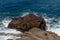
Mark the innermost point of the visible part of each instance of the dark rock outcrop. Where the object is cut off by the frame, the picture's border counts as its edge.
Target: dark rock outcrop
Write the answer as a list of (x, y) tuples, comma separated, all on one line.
[(27, 22), (37, 34), (33, 28), (9, 39)]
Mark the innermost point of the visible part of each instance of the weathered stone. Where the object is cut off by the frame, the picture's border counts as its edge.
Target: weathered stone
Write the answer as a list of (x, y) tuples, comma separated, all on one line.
[(37, 34), (27, 22)]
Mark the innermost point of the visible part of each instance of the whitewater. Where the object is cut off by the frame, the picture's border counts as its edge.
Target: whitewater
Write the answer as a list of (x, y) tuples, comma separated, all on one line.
[(53, 25), (6, 33)]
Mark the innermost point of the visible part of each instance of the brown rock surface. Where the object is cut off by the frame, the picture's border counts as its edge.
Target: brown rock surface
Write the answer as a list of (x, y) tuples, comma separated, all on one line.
[(27, 22), (37, 34)]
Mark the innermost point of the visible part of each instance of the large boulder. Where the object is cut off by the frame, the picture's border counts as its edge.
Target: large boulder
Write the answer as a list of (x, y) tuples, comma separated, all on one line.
[(27, 22), (37, 34)]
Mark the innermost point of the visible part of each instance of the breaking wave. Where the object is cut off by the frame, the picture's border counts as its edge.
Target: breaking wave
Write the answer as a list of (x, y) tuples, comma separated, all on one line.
[(6, 21), (6, 33), (53, 24)]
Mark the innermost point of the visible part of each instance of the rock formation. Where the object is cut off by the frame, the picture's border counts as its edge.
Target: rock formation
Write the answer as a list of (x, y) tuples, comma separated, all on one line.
[(37, 34), (27, 22), (33, 28)]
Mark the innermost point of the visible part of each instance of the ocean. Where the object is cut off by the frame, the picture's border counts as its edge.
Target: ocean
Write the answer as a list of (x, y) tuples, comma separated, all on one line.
[(48, 9)]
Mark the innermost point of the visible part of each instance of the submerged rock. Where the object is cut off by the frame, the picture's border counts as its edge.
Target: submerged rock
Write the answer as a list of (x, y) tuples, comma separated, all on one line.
[(37, 34), (27, 22)]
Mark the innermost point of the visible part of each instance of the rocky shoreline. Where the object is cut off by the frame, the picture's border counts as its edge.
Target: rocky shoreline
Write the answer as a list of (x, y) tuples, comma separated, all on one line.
[(33, 28), (37, 34)]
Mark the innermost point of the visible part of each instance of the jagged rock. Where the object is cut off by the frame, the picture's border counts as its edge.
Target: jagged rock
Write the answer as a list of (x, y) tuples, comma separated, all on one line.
[(37, 34), (27, 22)]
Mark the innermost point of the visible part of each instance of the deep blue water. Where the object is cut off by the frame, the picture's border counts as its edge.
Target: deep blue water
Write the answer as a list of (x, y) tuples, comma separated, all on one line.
[(12, 8), (48, 9)]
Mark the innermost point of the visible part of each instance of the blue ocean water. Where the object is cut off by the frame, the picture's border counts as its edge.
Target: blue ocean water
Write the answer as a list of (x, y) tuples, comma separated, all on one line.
[(48, 9), (13, 8)]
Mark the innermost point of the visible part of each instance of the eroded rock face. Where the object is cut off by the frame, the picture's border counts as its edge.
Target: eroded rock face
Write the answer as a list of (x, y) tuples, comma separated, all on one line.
[(27, 22), (37, 34)]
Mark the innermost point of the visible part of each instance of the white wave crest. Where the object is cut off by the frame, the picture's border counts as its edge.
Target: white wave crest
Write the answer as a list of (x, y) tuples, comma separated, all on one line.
[(53, 24), (6, 33), (27, 13), (6, 21)]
